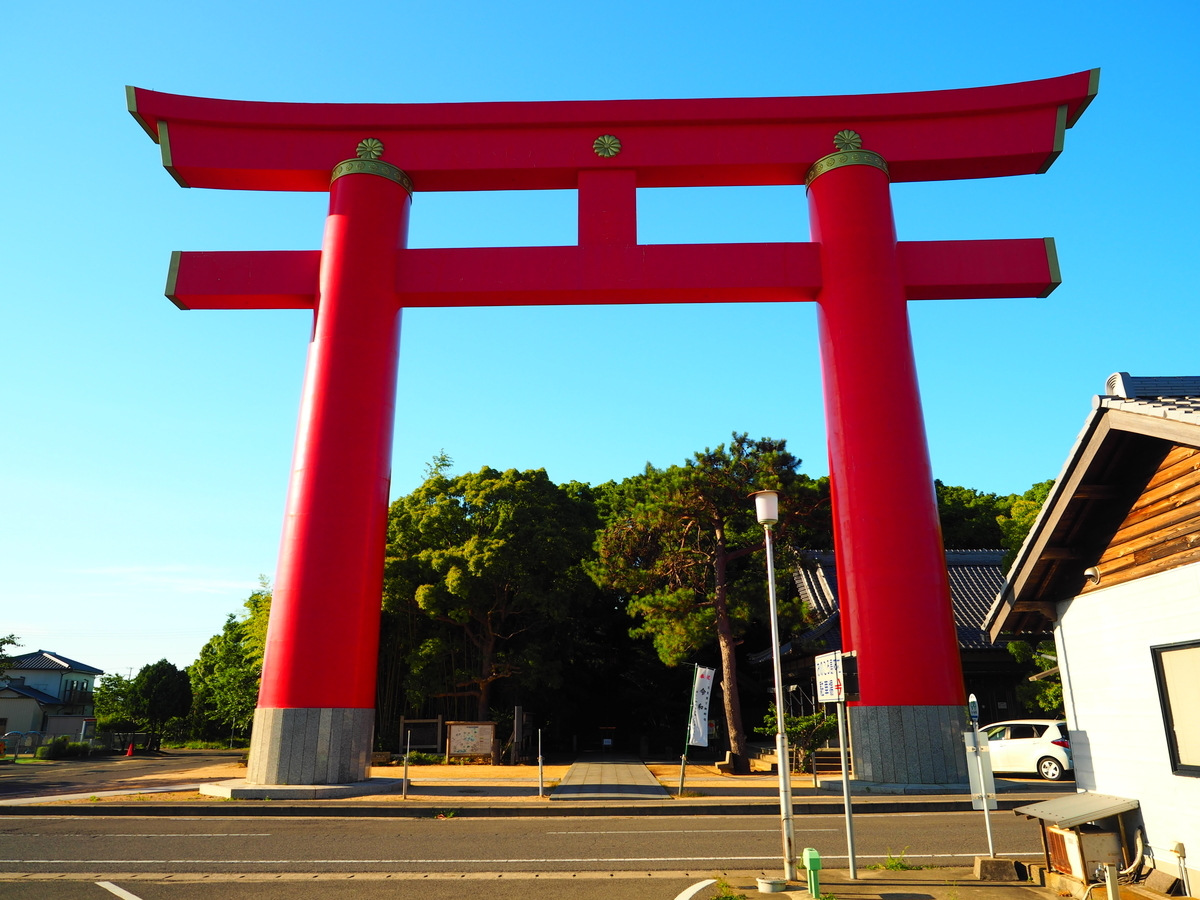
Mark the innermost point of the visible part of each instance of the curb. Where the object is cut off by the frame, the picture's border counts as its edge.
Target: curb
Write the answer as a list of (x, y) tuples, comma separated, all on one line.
[(408, 810)]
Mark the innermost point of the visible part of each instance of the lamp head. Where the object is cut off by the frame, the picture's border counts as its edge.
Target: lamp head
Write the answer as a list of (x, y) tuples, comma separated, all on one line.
[(766, 504)]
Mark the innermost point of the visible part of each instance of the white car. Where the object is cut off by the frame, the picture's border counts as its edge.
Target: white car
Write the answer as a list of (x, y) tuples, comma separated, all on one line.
[(1030, 745)]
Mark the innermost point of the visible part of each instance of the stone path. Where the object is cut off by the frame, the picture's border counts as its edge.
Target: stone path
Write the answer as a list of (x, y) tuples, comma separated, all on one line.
[(609, 778)]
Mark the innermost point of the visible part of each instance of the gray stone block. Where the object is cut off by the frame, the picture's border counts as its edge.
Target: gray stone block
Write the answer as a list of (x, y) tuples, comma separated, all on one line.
[(310, 746), (990, 868), (908, 744)]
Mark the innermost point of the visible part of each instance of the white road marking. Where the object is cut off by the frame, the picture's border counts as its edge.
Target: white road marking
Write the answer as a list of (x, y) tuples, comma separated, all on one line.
[(120, 892), (697, 831), (582, 859)]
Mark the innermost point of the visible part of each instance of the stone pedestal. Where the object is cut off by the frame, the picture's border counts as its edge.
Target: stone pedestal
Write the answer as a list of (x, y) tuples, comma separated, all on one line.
[(310, 746), (909, 744)]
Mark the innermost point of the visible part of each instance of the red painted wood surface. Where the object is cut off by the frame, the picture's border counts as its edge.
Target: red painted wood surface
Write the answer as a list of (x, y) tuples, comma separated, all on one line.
[(1010, 129), (330, 575), (615, 274), (893, 589), (889, 544)]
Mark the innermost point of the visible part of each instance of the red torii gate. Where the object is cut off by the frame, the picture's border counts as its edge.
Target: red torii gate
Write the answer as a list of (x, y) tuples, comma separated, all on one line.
[(894, 587)]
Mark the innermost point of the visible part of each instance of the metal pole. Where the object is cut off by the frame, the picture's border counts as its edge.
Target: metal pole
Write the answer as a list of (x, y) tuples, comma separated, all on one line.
[(781, 743), (841, 714), (541, 772), (407, 750), (983, 793), (687, 733)]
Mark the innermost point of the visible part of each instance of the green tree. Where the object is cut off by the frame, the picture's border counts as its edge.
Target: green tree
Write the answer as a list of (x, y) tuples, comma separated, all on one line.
[(1045, 693), (1023, 511), (113, 709), (494, 557), (969, 517), (804, 733), (678, 542), (255, 620), (158, 693), (225, 678), (8, 640)]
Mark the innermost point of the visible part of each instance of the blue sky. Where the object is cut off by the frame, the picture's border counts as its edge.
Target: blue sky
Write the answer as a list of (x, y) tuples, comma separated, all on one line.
[(146, 450)]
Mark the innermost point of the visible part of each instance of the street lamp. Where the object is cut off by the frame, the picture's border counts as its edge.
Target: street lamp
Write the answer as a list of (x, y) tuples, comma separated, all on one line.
[(766, 504)]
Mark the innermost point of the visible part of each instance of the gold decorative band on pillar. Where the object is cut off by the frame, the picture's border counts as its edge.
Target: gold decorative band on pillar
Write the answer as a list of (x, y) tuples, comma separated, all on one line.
[(372, 167), (845, 158)]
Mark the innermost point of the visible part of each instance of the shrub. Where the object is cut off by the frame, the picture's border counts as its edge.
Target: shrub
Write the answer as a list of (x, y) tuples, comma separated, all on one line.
[(417, 758), (56, 749)]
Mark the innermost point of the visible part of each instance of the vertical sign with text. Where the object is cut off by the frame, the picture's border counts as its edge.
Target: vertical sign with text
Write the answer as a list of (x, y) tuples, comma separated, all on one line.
[(701, 696)]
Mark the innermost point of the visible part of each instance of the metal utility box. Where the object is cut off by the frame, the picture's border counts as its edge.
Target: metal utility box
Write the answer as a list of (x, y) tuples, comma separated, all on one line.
[(1079, 851)]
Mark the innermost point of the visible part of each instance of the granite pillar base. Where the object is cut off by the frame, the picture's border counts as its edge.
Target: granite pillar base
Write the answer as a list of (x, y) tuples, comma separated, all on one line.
[(310, 746), (908, 744)]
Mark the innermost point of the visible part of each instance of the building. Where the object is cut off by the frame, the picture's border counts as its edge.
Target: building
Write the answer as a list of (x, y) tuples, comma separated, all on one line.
[(42, 689), (1112, 565), (989, 670)]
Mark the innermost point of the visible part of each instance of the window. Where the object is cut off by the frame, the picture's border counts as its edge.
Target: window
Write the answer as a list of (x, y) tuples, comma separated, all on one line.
[(1022, 731), (1177, 669)]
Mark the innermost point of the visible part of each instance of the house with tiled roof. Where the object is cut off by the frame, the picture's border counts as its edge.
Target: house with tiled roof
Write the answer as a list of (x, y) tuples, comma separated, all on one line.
[(42, 689), (1112, 565), (990, 671)]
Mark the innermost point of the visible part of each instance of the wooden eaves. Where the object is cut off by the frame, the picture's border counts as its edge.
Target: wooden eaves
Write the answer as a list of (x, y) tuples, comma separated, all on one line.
[(1132, 451)]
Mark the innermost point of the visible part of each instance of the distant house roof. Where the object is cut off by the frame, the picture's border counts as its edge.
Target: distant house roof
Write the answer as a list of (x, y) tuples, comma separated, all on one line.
[(45, 659), (26, 691), (975, 577), (1124, 439)]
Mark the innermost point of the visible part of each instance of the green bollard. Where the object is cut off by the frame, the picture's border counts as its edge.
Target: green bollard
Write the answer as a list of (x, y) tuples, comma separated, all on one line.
[(812, 865)]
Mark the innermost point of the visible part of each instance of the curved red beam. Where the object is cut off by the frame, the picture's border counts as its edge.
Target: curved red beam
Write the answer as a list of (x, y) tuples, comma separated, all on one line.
[(1011, 129)]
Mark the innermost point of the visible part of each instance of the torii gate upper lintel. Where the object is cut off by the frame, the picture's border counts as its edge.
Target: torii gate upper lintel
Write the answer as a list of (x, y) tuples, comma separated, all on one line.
[(894, 587)]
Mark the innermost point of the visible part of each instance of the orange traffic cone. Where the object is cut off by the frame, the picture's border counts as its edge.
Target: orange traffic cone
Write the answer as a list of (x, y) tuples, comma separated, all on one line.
[(129, 752)]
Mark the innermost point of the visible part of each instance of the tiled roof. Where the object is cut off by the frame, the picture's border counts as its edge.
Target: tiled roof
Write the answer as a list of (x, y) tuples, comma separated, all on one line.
[(1181, 409), (40, 696), (975, 578), (46, 660)]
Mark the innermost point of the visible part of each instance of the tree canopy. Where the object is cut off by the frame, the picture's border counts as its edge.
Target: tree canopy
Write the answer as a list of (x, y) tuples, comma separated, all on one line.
[(678, 543), (6, 641), (158, 693), (495, 558)]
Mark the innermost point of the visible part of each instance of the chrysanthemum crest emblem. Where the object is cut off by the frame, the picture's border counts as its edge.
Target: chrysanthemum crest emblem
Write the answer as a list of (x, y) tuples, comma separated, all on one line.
[(606, 146), (371, 148), (847, 140)]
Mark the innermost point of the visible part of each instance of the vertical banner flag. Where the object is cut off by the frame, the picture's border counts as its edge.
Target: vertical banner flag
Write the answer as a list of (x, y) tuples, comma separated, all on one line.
[(701, 694)]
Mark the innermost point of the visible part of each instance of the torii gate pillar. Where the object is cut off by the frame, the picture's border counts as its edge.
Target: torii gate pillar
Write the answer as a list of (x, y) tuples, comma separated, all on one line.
[(308, 729), (891, 567), (894, 588)]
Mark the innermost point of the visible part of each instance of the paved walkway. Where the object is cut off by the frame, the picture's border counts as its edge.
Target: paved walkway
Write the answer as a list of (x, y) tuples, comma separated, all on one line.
[(609, 778)]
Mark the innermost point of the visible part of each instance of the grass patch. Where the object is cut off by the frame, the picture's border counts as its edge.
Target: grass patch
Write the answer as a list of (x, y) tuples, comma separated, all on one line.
[(687, 792), (238, 744), (725, 891), (895, 863)]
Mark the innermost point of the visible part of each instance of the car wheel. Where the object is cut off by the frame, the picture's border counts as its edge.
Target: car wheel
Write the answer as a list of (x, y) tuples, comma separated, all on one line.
[(1050, 769)]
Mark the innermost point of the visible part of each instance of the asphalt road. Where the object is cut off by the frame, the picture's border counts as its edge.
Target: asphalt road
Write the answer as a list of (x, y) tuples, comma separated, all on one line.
[(463, 846), (103, 772)]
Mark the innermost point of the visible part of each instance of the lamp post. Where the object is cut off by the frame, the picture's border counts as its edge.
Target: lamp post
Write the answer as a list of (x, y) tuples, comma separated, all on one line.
[(766, 504)]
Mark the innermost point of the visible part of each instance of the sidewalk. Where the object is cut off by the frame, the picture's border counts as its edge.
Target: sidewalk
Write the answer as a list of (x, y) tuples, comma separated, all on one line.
[(592, 786), (942, 883)]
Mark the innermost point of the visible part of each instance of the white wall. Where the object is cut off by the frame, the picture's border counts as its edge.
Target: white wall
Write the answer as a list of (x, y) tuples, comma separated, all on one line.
[(23, 714), (1117, 734)]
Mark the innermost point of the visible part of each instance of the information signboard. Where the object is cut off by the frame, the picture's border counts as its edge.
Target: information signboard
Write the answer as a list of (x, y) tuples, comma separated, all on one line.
[(831, 686), (470, 738)]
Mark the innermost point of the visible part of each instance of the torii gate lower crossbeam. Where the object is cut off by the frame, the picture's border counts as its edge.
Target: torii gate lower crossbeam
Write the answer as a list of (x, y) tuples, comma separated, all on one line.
[(313, 731)]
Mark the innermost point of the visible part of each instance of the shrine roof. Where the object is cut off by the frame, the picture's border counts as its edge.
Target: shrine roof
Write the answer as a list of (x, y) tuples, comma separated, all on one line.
[(975, 577), (928, 135)]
